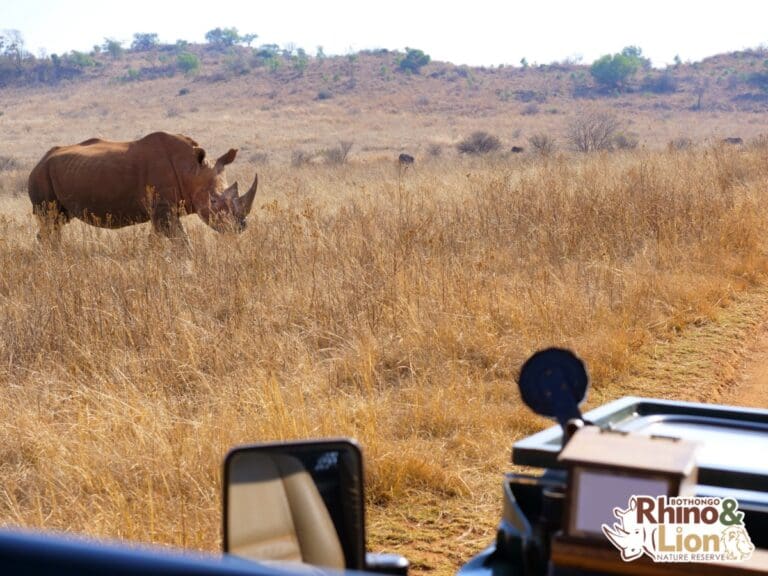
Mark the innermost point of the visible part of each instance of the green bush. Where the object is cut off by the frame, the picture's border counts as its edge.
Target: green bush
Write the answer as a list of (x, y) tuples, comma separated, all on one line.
[(237, 64), (300, 61), (613, 71), (143, 41), (266, 51), (80, 59), (273, 63), (188, 62), (413, 61), (113, 47), (222, 37)]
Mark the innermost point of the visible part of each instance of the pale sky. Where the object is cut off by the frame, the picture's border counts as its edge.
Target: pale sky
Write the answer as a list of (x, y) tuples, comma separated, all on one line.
[(475, 32)]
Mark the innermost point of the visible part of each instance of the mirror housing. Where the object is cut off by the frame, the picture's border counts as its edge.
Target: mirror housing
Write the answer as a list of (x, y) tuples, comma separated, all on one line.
[(300, 501)]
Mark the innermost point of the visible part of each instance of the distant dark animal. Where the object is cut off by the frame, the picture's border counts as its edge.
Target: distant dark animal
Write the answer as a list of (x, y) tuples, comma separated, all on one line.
[(517, 149), (114, 184), (405, 159), (732, 140)]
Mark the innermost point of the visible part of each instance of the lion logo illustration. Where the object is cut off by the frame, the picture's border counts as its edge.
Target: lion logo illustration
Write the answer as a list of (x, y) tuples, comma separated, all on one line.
[(736, 543)]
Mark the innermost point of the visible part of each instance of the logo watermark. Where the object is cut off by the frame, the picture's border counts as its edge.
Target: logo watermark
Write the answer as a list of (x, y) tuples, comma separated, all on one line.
[(680, 529)]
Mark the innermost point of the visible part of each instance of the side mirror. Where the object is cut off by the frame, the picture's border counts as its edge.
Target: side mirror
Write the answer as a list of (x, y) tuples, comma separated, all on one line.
[(302, 502)]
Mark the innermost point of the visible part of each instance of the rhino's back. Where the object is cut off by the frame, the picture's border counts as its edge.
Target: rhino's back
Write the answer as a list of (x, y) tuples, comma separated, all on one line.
[(96, 180)]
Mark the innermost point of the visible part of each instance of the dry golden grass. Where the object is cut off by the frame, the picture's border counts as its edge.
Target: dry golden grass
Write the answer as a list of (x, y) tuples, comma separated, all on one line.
[(395, 308)]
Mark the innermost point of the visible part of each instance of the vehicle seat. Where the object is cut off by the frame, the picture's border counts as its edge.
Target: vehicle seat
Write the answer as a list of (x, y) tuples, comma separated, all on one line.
[(282, 517)]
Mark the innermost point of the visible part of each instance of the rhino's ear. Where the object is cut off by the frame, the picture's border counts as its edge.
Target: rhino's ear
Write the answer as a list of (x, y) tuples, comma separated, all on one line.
[(225, 159)]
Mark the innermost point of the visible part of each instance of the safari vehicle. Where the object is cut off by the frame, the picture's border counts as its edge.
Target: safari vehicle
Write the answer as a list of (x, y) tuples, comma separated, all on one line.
[(298, 507)]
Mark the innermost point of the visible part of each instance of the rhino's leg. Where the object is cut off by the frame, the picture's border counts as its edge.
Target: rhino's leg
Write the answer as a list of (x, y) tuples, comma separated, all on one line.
[(166, 221), (51, 216)]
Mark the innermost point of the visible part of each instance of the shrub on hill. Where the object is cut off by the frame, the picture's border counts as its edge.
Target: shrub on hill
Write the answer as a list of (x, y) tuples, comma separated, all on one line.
[(188, 62), (80, 59), (266, 51), (759, 80), (60, 67), (113, 47), (413, 61), (144, 42), (222, 37), (237, 64), (300, 61), (664, 83), (613, 71)]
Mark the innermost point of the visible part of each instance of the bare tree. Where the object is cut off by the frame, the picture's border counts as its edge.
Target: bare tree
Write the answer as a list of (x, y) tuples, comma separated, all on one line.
[(479, 142), (12, 46), (593, 131), (700, 90), (542, 144), (345, 146)]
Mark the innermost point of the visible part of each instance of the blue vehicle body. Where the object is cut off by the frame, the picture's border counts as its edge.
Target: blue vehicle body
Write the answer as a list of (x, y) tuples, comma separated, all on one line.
[(40, 554)]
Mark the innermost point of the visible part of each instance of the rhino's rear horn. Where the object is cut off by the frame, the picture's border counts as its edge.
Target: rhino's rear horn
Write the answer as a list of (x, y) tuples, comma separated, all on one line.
[(230, 193), (244, 203)]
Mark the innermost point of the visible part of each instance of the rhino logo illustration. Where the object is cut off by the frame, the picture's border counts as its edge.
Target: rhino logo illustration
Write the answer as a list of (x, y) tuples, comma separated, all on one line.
[(629, 536)]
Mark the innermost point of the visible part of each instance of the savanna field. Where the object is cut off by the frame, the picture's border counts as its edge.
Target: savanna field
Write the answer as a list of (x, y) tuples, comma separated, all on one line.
[(391, 305)]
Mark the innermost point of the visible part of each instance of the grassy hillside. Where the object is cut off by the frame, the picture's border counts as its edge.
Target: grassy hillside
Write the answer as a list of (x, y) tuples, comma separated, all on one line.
[(272, 112)]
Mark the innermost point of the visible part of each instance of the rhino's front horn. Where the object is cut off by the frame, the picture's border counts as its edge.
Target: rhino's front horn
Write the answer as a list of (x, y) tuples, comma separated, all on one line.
[(244, 203)]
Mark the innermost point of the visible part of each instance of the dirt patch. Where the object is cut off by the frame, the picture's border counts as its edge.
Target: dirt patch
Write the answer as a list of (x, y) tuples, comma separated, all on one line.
[(718, 361), (751, 388)]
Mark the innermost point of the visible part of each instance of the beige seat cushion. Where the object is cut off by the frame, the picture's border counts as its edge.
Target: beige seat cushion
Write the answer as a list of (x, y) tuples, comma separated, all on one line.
[(276, 513)]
